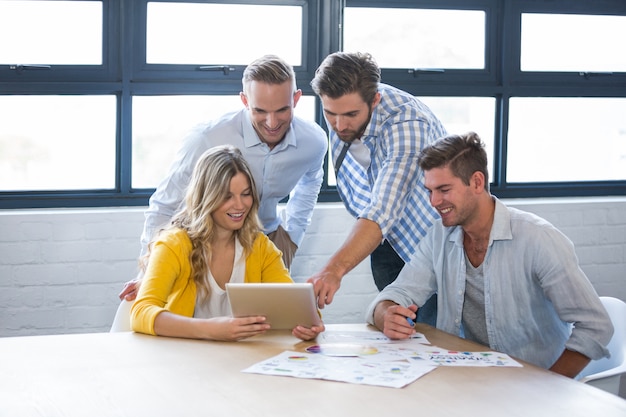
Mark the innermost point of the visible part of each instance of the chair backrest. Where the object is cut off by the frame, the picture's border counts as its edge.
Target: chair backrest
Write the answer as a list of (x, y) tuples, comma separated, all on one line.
[(121, 322), (617, 346)]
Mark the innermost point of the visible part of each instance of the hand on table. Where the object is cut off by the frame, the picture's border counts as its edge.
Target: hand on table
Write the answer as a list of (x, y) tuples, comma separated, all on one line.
[(395, 321)]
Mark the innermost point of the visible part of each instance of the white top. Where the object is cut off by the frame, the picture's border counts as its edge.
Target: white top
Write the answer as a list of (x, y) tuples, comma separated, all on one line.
[(218, 305), (360, 152)]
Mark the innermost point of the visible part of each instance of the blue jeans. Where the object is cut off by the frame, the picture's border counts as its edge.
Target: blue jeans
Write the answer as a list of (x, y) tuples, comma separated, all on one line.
[(386, 265)]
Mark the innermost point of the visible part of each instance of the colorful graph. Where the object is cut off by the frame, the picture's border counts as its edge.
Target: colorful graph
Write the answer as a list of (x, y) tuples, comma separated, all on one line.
[(337, 349)]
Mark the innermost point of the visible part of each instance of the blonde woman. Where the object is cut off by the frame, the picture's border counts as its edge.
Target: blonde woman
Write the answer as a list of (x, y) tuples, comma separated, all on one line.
[(214, 239)]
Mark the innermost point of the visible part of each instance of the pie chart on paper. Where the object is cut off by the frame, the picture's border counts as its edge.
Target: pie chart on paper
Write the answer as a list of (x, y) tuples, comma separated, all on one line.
[(342, 349)]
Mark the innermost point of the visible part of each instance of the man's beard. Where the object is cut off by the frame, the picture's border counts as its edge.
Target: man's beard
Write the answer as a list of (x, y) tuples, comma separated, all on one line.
[(361, 130)]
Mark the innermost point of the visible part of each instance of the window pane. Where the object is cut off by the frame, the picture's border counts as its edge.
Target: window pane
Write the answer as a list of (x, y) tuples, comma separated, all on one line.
[(558, 42), (187, 33), (566, 139), (160, 123), (417, 38), (467, 114), (459, 115), (57, 142), (51, 32)]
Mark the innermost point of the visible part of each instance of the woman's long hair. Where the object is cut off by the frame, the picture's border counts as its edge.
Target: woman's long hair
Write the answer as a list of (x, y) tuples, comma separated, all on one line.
[(208, 189)]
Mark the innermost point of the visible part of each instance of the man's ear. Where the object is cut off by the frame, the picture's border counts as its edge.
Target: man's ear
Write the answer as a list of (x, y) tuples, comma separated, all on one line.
[(477, 181), (244, 99), (296, 97), (376, 100)]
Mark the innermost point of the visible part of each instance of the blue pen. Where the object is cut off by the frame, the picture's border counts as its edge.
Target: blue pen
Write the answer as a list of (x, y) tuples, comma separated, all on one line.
[(411, 322)]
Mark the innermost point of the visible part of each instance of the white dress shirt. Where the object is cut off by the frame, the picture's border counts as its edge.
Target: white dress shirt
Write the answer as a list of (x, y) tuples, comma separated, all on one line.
[(293, 168)]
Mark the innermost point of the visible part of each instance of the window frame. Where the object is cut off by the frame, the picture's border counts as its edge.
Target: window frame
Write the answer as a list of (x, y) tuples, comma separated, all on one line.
[(16, 81), (503, 79), (125, 74), (552, 84)]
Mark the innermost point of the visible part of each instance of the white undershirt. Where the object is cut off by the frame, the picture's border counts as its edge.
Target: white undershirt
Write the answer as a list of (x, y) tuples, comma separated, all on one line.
[(217, 304), (360, 152)]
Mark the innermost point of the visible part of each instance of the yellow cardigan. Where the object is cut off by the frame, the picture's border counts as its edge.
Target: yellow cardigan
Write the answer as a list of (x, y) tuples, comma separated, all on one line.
[(168, 282)]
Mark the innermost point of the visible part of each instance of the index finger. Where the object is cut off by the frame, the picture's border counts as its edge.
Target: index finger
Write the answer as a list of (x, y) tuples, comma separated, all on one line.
[(319, 290)]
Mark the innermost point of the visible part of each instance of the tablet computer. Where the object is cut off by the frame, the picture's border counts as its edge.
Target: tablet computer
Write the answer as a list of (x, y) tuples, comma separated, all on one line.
[(284, 305)]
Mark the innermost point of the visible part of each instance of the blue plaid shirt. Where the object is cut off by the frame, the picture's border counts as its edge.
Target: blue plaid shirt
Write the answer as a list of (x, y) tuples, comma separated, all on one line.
[(391, 190)]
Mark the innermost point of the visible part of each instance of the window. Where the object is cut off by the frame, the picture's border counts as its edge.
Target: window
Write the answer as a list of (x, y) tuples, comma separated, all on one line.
[(566, 100), (161, 122), (97, 103), (172, 25), (427, 42), (565, 142), (579, 50), (421, 38), (57, 142), (545, 95), (96, 95), (38, 39)]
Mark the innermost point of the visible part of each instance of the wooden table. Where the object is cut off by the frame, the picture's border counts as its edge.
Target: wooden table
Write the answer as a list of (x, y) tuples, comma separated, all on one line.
[(128, 374)]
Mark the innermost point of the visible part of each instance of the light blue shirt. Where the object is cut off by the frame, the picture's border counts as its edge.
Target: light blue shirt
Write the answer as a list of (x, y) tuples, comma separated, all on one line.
[(534, 289), (390, 190), (294, 168)]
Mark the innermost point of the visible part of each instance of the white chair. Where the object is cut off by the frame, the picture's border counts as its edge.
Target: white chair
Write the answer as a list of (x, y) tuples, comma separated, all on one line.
[(121, 322), (606, 373)]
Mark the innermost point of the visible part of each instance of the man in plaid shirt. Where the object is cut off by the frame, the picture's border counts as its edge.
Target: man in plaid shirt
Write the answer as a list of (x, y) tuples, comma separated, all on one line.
[(376, 134)]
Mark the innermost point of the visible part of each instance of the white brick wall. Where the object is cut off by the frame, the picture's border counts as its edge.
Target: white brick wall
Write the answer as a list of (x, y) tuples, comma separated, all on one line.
[(61, 270)]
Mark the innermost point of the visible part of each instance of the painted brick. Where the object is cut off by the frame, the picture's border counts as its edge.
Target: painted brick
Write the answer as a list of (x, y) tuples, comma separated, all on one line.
[(68, 230), (14, 298), (45, 274), (72, 251), (61, 270), (99, 231), (32, 231), (19, 253)]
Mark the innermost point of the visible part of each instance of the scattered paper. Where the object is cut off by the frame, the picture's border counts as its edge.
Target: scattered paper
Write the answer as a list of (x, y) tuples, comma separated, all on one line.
[(355, 370), (365, 336), (371, 358), (444, 357)]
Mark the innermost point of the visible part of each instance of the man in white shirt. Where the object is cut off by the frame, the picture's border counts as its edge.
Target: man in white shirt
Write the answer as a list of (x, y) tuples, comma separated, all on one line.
[(285, 153), (504, 278)]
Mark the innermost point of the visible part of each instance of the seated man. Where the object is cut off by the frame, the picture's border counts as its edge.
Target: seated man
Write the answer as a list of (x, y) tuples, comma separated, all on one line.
[(505, 278)]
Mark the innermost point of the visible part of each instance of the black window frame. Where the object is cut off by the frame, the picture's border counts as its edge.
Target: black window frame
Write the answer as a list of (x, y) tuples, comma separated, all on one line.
[(502, 79), (125, 74)]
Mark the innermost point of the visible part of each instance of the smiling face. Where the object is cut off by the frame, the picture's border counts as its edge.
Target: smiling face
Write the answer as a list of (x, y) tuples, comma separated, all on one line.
[(348, 115), (456, 202), (232, 213), (271, 109)]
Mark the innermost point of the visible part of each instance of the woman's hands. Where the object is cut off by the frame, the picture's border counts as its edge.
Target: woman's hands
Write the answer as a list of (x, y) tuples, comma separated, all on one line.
[(226, 329), (306, 333), (231, 329), (234, 329)]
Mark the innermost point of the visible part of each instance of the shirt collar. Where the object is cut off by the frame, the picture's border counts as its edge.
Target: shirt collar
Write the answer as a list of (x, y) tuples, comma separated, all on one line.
[(250, 137), (501, 229)]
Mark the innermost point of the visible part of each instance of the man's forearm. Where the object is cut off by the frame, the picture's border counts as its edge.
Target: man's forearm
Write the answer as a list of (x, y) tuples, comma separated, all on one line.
[(570, 363)]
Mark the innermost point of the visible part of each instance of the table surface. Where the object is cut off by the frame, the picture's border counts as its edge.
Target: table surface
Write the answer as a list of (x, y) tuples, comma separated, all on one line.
[(129, 374)]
